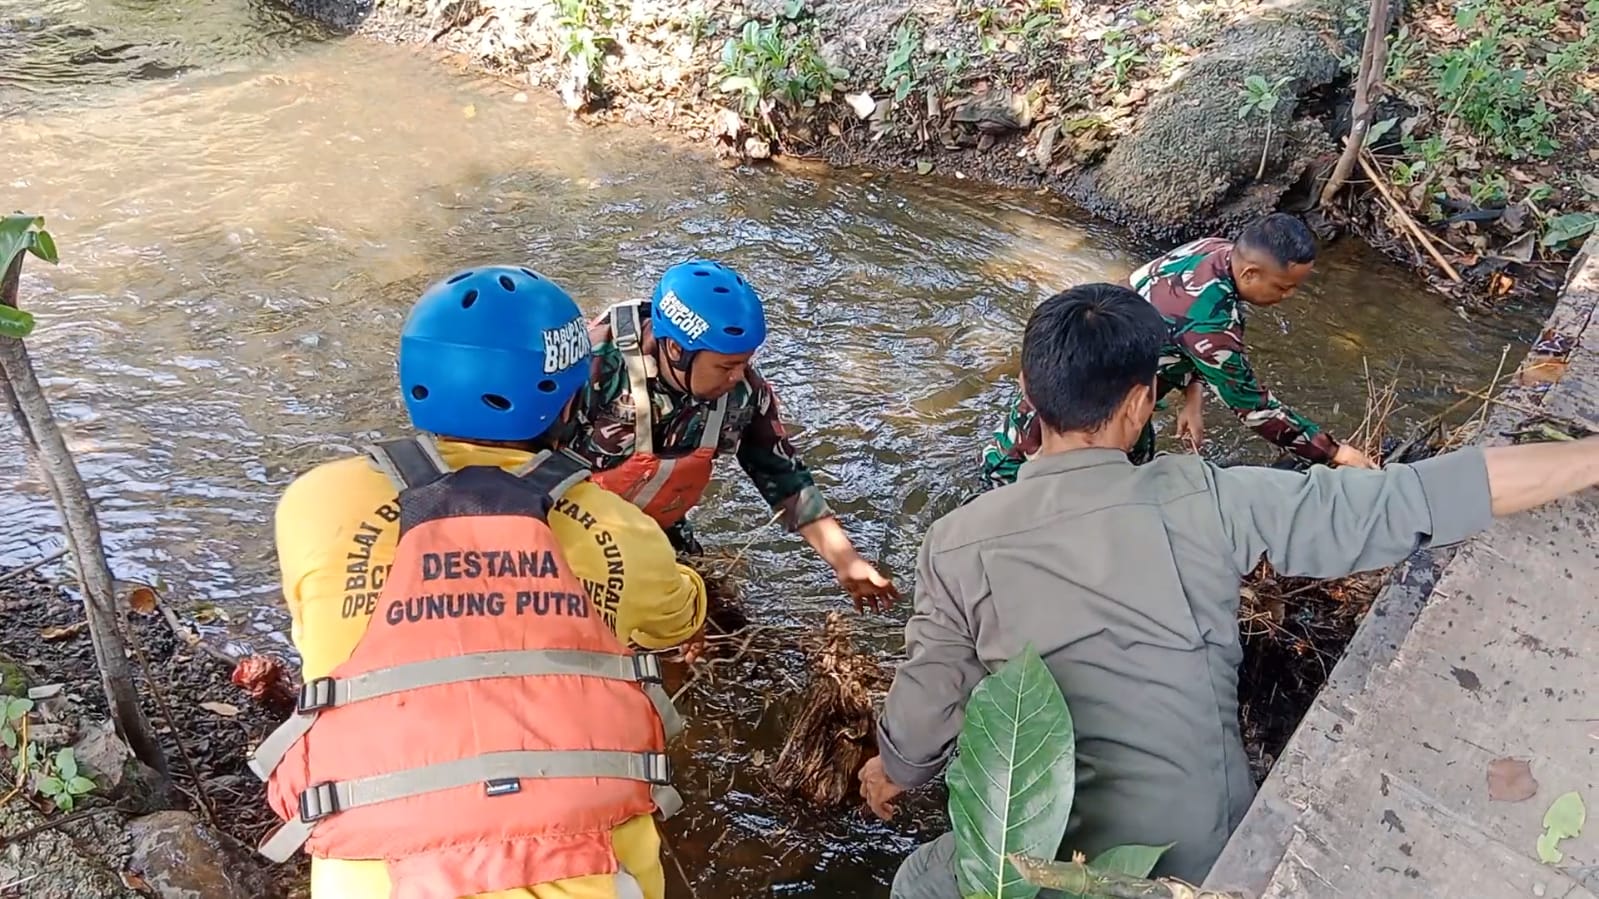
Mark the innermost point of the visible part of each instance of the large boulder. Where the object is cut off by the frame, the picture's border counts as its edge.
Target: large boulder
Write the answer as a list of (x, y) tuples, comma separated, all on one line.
[(1190, 164), (181, 858)]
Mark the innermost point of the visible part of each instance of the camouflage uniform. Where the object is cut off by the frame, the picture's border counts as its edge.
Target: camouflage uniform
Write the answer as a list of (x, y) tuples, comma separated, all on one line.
[(1192, 286), (752, 431)]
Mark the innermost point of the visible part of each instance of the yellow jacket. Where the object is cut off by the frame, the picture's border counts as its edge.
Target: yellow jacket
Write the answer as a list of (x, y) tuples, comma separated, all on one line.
[(336, 533)]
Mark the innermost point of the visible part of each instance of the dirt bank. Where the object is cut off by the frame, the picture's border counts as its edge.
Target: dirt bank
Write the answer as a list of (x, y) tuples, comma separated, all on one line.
[(1173, 119), (123, 838)]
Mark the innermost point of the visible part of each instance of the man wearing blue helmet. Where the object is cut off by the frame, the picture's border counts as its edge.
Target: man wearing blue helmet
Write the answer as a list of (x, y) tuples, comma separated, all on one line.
[(362, 559), (683, 359)]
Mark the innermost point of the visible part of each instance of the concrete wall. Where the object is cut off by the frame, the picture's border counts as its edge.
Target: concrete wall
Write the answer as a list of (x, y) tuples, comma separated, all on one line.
[(1467, 656)]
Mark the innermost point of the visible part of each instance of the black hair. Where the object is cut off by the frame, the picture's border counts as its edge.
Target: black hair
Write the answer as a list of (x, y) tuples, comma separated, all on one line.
[(1085, 349), (1280, 237)]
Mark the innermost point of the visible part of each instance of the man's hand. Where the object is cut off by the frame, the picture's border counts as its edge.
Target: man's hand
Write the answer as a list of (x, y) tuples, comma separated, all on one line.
[(865, 585), (1348, 456), (694, 646), (1191, 427), (877, 789), (856, 575)]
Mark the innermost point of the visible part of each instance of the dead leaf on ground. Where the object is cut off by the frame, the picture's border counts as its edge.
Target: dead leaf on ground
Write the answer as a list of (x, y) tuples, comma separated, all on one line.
[(134, 882), (1520, 249), (142, 598), (220, 708), (52, 634), (1511, 780)]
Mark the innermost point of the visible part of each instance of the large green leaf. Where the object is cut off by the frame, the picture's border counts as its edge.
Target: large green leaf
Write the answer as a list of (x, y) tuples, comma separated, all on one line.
[(25, 233), (1011, 783)]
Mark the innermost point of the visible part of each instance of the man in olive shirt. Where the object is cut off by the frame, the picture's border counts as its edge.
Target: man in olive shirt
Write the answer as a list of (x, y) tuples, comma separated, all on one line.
[(1125, 578)]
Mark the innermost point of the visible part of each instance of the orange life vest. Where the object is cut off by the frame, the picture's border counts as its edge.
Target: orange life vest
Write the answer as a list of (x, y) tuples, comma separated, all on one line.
[(666, 487), (489, 730)]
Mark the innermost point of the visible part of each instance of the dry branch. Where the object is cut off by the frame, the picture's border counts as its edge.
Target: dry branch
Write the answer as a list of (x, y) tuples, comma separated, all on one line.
[(1368, 86), (1405, 218), (1078, 878)]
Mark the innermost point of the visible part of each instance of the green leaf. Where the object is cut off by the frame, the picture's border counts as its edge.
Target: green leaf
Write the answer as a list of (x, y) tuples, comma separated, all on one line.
[(44, 247), (737, 83), (1012, 779), (66, 764), (1132, 860), (8, 737), (1566, 816), (16, 323), (1378, 130), (50, 786), (1569, 227), (1563, 820), (1547, 853), (17, 707), (64, 801), (80, 785), (23, 233)]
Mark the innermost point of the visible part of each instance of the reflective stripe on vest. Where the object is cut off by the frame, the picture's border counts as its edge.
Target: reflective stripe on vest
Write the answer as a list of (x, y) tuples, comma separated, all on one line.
[(325, 799), (326, 693)]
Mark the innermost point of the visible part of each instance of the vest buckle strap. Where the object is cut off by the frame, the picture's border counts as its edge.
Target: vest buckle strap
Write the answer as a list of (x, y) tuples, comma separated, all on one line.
[(658, 768), (316, 695), (647, 668), (318, 801)]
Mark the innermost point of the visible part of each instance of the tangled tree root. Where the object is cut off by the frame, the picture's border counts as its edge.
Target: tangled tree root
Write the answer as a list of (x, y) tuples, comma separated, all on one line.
[(835, 731)]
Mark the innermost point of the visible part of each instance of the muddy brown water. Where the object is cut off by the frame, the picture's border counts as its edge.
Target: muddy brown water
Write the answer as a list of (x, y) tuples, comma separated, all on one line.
[(246, 207)]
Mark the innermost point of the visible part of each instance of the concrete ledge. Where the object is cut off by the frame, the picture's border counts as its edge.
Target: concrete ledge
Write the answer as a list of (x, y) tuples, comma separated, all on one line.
[(1383, 741)]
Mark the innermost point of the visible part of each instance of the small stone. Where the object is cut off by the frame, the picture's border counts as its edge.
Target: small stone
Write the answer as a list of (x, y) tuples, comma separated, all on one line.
[(180, 858), (757, 148), (1538, 889), (519, 97), (105, 759)]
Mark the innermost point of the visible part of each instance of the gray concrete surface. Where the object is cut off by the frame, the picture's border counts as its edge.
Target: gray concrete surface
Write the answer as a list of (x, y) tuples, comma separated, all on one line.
[(1383, 790)]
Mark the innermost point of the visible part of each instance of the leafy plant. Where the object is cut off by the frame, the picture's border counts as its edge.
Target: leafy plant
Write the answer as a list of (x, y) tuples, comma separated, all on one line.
[(900, 73), (15, 708), (1121, 56), (585, 25), (62, 784), (1262, 97), (1012, 780), (777, 62), (22, 234)]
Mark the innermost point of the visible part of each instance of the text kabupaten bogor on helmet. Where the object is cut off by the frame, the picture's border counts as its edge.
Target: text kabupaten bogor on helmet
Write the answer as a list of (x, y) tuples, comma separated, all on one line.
[(705, 305), (492, 353)]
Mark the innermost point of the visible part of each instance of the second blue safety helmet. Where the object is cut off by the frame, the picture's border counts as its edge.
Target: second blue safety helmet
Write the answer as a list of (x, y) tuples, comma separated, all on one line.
[(705, 305)]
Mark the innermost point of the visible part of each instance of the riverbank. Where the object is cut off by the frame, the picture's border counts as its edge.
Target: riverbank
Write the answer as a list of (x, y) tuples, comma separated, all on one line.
[(1454, 720), (1171, 120), (118, 835)]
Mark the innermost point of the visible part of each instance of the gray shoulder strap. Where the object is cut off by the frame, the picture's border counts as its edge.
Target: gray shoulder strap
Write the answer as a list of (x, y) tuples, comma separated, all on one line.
[(409, 462)]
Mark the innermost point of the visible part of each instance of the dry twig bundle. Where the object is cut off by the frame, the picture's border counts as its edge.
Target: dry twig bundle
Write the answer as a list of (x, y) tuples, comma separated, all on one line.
[(835, 731)]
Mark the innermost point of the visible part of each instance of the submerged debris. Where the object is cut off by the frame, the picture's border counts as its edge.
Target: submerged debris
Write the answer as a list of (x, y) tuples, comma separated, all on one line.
[(835, 730)]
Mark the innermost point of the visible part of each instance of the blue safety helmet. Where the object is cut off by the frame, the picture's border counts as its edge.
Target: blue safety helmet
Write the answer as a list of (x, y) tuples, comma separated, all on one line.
[(706, 306), (492, 353)]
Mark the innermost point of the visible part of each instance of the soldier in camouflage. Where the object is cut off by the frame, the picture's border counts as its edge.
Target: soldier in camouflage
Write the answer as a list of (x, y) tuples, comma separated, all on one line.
[(1197, 288), (684, 360)]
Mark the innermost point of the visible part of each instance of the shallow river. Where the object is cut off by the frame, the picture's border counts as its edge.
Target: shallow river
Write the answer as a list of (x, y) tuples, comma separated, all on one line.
[(246, 207)]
